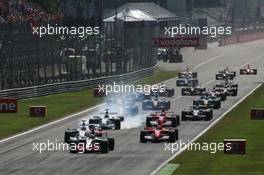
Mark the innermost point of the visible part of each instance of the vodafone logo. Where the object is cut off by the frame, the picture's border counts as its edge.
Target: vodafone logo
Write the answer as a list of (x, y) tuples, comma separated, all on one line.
[(175, 42), (8, 105)]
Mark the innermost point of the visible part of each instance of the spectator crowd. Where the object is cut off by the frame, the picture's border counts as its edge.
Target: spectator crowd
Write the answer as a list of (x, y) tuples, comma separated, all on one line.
[(16, 11)]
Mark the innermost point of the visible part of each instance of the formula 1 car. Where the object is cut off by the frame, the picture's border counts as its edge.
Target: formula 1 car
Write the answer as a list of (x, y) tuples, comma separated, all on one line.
[(187, 74), (248, 71), (208, 102), (91, 143), (164, 119), (156, 103), (162, 54), (169, 92), (164, 91), (187, 82), (159, 134), (108, 121), (192, 91), (195, 113), (227, 87), (225, 74), (81, 131), (218, 93)]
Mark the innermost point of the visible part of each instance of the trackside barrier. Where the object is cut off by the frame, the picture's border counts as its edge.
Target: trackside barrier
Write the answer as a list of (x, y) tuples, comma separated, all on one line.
[(50, 89)]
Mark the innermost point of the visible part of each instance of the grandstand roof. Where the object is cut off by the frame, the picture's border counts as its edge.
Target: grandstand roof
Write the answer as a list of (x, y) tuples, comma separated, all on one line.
[(142, 11)]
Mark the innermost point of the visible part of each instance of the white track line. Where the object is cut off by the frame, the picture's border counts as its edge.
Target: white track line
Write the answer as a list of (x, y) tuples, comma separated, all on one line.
[(205, 130), (51, 123)]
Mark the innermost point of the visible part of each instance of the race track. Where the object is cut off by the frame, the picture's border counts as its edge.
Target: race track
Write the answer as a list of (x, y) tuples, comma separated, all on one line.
[(131, 157)]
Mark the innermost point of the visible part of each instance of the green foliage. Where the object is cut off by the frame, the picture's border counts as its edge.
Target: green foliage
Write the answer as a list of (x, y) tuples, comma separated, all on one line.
[(49, 5)]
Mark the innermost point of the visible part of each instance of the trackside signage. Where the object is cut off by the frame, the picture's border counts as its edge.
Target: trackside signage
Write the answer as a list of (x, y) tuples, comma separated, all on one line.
[(175, 42), (8, 105), (37, 111)]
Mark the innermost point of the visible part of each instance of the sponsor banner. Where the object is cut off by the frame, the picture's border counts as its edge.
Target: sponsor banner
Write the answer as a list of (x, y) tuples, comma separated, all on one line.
[(37, 111), (257, 114), (235, 146), (175, 42), (8, 105)]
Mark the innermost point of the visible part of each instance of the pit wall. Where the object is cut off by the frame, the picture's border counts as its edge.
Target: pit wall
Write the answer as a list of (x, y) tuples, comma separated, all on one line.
[(242, 37)]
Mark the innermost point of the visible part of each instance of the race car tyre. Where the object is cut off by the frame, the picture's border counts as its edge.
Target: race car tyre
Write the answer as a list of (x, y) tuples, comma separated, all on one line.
[(168, 105), (234, 92), (121, 118), (217, 104), (172, 137), (176, 134), (255, 71), (208, 116), (171, 92), (223, 97), (195, 75), (117, 124), (111, 142), (104, 148), (217, 77), (195, 103), (241, 71), (183, 92), (68, 134), (148, 123), (183, 116), (142, 137), (175, 121), (178, 83), (235, 86)]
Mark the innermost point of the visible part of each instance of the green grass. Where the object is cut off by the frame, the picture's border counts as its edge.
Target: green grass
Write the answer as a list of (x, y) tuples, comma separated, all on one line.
[(59, 106), (236, 124)]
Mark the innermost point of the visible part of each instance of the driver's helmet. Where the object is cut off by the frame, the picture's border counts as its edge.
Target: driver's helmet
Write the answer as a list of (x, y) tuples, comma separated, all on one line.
[(248, 66), (106, 115), (83, 128), (159, 127)]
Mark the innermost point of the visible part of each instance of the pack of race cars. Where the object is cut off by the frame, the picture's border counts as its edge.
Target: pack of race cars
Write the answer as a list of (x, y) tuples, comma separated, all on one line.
[(160, 125)]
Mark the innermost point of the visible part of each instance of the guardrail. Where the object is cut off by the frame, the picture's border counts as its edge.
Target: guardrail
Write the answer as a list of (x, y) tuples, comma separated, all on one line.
[(50, 89)]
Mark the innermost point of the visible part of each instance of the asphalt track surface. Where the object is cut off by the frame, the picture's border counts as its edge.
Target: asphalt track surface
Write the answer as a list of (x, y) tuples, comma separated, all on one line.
[(131, 157)]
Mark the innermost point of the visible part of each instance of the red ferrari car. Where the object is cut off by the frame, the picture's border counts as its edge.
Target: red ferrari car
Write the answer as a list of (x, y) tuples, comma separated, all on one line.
[(159, 134), (165, 119)]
